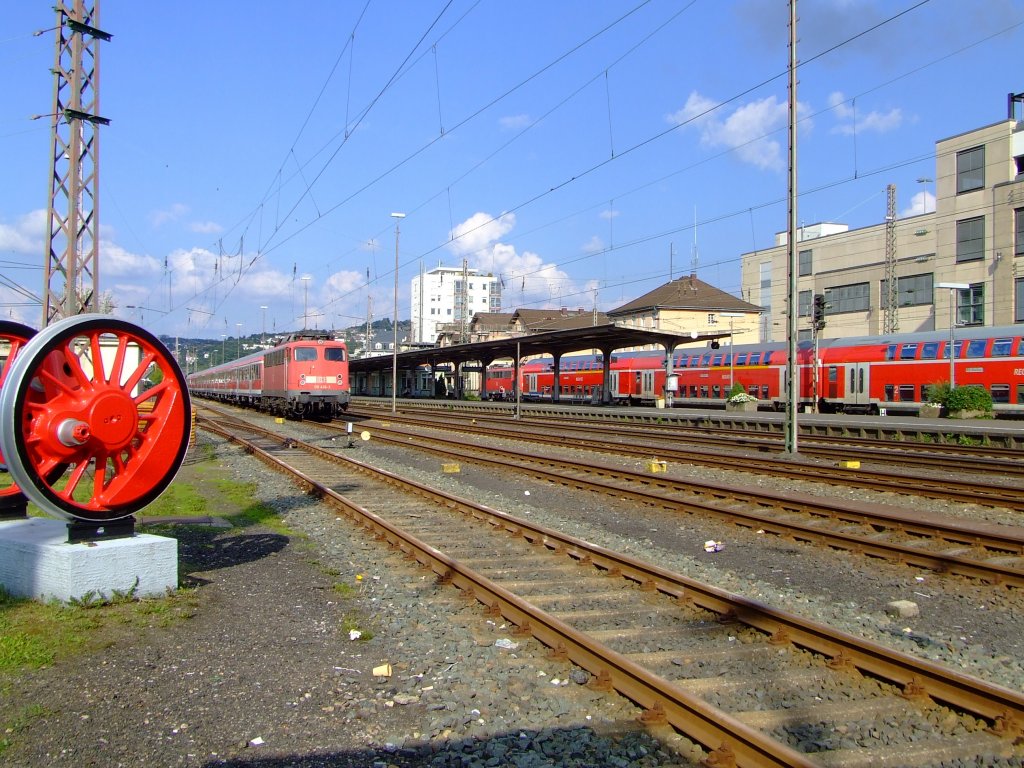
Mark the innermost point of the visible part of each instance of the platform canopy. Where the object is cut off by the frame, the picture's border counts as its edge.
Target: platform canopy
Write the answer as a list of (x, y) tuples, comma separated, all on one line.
[(607, 338)]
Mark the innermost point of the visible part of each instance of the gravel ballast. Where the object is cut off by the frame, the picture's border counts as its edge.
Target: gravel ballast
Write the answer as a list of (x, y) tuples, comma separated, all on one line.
[(266, 673)]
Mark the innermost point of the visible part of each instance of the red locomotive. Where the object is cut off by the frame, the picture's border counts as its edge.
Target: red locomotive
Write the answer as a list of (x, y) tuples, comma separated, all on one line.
[(865, 374), (306, 376)]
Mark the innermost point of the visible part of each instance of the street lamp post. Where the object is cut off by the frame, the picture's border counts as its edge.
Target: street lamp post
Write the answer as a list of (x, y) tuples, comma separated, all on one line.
[(732, 316), (223, 337), (238, 345), (263, 333), (394, 351), (953, 288)]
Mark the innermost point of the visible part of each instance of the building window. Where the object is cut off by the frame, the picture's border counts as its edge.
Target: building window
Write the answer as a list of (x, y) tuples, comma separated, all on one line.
[(970, 169), (970, 239), (1018, 238), (970, 305), (911, 291), (1018, 301), (848, 298), (711, 318), (804, 304), (804, 258)]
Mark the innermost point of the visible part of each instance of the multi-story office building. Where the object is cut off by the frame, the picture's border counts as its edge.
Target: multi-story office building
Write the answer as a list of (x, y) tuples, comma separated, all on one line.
[(974, 240), (448, 295)]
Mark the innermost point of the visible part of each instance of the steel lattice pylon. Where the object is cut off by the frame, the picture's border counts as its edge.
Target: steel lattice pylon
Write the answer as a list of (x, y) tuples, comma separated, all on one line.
[(890, 317), (72, 261)]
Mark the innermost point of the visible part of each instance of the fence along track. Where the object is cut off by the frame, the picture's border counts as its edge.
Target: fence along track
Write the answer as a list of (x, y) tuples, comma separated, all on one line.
[(575, 624)]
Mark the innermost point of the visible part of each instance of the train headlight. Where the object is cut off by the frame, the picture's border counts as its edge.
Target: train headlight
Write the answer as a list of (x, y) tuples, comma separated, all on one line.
[(341, 380), (302, 380)]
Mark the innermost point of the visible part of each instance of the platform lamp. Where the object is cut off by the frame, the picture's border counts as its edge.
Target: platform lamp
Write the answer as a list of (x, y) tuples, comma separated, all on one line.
[(953, 288), (732, 316), (394, 351)]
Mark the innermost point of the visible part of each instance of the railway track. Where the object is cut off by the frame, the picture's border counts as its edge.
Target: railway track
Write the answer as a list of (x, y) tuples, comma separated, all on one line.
[(993, 554), (754, 685), (919, 448), (640, 442)]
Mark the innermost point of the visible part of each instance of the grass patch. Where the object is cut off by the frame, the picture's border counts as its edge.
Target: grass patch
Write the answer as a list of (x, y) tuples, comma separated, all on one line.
[(20, 722)]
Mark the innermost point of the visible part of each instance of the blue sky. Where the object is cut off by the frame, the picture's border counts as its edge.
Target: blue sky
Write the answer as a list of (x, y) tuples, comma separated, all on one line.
[(569, 146)]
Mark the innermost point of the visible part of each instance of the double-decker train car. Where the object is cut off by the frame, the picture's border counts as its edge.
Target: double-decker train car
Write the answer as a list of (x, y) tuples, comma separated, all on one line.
[(861, 374), (305, 376)]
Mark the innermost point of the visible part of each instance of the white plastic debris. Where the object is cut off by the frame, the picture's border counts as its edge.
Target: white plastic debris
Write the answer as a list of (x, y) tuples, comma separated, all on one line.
[(258, 741), (354, 634), (712, 546), (526, 493), (504, 642)]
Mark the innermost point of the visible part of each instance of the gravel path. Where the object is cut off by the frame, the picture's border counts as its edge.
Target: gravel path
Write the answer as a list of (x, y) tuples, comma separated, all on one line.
[(266, 673)]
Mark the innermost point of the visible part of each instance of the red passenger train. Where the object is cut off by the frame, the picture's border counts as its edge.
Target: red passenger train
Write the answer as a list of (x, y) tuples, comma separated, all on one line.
[(306, 376), (863, 374)]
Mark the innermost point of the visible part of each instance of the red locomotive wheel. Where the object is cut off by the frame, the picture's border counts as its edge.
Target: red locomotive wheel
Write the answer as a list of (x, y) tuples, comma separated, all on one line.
[(13, 336), (103, 400)]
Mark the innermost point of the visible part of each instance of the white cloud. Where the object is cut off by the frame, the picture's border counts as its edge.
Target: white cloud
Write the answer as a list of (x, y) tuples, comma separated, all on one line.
[(594, 245), (514, 122), (850, 122), (26, 235), (175, 212), (922, 202), (528, 279), (746, 130), (206, 227)]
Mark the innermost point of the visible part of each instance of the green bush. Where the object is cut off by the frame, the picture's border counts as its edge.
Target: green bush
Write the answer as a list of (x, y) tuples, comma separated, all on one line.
[(737, 389), (938, 392), (970, 398)]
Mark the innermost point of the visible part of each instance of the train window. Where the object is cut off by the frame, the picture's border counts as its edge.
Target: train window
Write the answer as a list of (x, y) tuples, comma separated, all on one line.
[(890, 352), (305, 354), (929, 350), (908, 352), (752, 390), (764, 391), (923, 397), (767, 358), (716, 360), (1000, 393), (703, 390), (1020, 393), (755, 358), (958, 349), (833, 374), (716, 391), (1020, 347), (907, 393), (1002, 347), (741, 359), (705, 360), (727, 359), (890, 392), (976, 347), (334, 354), (693, 390)]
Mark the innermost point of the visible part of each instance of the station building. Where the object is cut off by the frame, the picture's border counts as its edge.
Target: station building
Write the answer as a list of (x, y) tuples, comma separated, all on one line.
[(974, 239)]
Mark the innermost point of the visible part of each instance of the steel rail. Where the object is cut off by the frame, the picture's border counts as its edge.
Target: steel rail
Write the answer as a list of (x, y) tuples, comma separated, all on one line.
[(1002, 707), (945, 489), (554, 470)]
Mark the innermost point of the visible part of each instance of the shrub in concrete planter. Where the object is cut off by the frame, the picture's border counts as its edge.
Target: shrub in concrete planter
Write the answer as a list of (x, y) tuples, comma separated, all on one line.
[(930, 410), (741, 401), (970, 402)]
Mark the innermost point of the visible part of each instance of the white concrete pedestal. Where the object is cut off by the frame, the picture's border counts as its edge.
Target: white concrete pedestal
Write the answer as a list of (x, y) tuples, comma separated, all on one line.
[(37, 562)]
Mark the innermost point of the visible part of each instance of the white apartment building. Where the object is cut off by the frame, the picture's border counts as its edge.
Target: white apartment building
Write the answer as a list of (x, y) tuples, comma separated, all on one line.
[(973, 240), (449, 295)]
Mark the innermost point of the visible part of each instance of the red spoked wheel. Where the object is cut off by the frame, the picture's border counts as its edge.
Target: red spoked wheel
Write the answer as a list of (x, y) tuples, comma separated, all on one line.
[(94, 418), (13, 336)]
